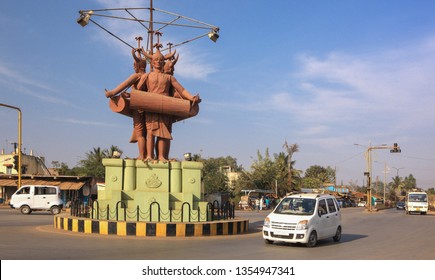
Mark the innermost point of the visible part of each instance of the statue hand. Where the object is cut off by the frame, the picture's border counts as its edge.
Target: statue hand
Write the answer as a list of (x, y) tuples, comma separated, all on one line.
[(196, 99), (108, 93)]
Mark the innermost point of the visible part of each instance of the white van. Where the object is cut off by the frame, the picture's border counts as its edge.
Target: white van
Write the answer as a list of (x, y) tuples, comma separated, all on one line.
[(304, 218), (416, 202), (30, 198)]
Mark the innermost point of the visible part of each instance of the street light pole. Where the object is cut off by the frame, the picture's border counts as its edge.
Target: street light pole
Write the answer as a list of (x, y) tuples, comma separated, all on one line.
[(385, 179), (393, 149), (19, 141), (397, 170)]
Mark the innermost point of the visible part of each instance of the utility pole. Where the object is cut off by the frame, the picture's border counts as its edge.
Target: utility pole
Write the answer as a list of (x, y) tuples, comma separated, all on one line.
[(385, 178), (393, 149), (19, 141)]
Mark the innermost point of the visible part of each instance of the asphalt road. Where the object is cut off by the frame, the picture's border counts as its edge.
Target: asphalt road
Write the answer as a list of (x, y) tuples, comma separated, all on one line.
[(384, 235)]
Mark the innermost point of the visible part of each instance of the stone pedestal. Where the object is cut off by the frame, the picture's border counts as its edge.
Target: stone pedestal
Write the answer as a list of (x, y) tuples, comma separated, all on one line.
[(165, 192)]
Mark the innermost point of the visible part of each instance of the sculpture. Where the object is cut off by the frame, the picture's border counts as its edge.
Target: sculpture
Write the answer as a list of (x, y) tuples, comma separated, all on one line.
[(159, 125), (139, 131), (152, 122)]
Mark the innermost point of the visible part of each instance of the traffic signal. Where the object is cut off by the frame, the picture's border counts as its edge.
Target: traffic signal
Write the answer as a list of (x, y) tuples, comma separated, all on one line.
[(15, 163), (396, 149)]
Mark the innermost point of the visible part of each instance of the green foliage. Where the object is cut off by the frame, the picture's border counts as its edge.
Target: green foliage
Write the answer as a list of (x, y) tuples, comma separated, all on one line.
[(311, 182), (91, 165), (269, 173), (214, 179), (320, 174)]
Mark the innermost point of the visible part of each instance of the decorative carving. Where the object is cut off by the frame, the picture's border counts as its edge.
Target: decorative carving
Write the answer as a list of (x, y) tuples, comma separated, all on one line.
[(153, 182)]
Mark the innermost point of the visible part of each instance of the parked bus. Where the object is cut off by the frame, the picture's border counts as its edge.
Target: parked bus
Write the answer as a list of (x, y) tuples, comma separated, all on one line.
[(416, 202)]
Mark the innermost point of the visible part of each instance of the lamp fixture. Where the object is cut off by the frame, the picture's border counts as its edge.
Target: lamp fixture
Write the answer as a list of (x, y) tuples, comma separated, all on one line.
[(213, 35), (188, 156), (84, 18)]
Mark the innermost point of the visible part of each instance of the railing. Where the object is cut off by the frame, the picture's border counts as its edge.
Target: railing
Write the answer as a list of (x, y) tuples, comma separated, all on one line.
[(213, 212)]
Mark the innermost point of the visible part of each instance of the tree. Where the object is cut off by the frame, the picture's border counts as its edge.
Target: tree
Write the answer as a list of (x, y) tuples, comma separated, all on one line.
[(312, 183), (293, 148), (397, 186), (283, 171), (316, 176), (114, 152), (264, 172), (92, 165), (215, 180), (409, 183)]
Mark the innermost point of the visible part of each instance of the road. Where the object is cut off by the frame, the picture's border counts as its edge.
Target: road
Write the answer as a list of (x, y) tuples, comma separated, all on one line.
[(383, 235)]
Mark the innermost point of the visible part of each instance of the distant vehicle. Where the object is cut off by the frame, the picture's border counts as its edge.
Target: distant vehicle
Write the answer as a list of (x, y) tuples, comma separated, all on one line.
[(378, 202), (304, 218), (33, 198), (400, 205), (416, 202), (362, 204), (349, 203), (352, 203)]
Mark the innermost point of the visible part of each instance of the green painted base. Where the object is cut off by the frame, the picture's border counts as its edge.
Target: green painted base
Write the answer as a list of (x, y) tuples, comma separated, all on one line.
[(160, 192)]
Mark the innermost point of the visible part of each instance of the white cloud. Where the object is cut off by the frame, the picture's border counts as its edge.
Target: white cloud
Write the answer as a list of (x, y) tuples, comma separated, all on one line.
[(82, 122), (20, 82), (395, 84)]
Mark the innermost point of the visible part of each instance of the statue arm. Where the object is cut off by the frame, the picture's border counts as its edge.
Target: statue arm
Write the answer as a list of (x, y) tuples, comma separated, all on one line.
[(142, 80), (183, 92), (133, 53), (124, 85)]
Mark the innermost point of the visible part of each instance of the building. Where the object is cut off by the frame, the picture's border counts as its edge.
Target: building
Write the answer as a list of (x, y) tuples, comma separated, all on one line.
[(34, 172), (30, 164)]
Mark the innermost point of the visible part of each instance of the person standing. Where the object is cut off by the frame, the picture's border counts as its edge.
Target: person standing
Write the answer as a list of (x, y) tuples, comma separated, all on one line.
[(257, 204), (159, 126)]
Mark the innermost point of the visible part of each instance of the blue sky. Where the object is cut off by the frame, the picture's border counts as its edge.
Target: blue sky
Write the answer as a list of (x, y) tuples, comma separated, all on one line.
[(323, 74)]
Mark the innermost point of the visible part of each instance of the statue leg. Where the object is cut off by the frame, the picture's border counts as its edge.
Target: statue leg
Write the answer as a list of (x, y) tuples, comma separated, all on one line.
[(139, 130), (150, 146), (163, 148)]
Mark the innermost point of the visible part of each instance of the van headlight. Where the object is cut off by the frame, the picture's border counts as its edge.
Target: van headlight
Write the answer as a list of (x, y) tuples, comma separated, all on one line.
[(266, 222), (302, 225)]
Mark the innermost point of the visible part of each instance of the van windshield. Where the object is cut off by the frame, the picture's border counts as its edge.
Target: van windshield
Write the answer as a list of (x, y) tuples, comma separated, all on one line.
[(417, 197), (296, 206)]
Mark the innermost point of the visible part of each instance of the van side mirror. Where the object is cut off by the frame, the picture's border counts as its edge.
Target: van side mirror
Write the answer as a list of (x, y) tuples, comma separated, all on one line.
[(319, 212)]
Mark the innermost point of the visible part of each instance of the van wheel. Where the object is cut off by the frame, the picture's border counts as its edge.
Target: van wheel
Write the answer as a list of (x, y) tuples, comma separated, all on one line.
[(25, 209), (55, 210), (337, 235), (312, 240), (267, 241)]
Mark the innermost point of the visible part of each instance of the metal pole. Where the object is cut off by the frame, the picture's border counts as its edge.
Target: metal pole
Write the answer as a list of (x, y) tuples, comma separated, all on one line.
[(151, 30), (369, 181), (385, 179), (19, 141)]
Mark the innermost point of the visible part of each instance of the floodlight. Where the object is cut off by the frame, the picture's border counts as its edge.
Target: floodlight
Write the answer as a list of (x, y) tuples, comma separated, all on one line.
[(213, 35), (188, 156), (84, 18)]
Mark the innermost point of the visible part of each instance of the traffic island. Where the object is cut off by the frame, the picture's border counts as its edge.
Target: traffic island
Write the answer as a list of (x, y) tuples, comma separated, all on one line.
[(151, 229)]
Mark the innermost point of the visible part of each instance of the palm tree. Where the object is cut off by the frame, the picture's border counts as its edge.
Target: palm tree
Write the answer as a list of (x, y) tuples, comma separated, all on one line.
[(290, 149), (114, 152), (92, 165)]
